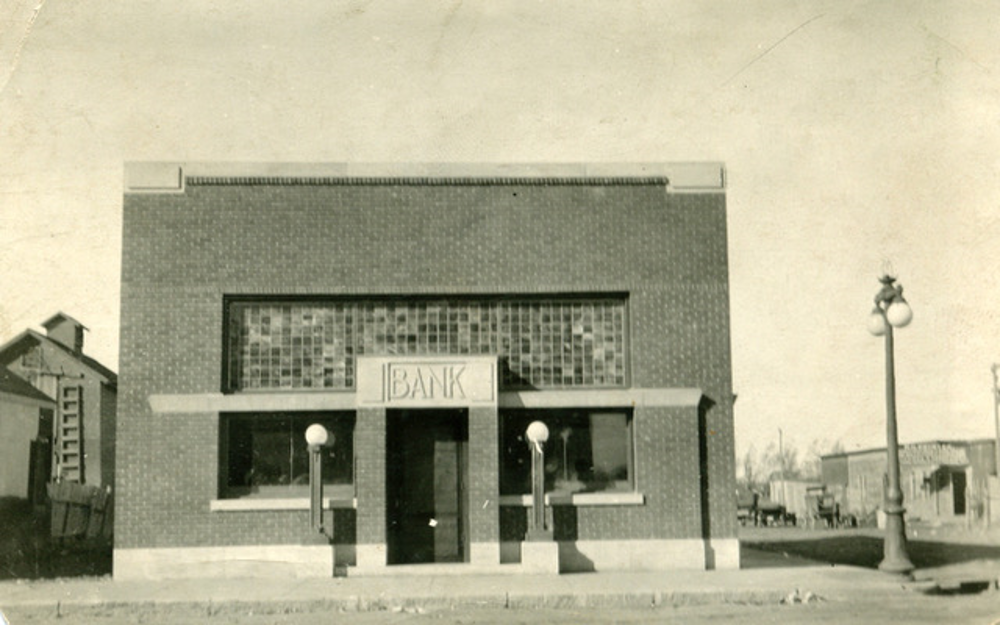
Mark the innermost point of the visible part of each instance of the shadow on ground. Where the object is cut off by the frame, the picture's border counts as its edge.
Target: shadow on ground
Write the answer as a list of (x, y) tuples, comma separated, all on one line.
[(855, 549), (27, 551)]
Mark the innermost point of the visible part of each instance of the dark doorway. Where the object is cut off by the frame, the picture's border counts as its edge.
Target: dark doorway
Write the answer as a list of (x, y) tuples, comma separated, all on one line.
[(958, 492), (427, 466)]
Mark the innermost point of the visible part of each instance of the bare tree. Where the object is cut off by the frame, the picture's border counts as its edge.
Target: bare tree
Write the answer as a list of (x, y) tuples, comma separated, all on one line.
[(757, 470), (812, 466), (750, 466)]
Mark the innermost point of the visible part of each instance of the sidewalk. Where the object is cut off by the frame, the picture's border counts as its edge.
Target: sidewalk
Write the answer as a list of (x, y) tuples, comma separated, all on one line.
[(770, 585)]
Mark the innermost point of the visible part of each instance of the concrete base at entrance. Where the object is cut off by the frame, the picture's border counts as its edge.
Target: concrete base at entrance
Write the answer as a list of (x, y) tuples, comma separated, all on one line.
[(299, 561), (722, 554), (282, 561), (540, 556), (418, 570), (637, 555), (371, 557), (374, 558), (487, 554)]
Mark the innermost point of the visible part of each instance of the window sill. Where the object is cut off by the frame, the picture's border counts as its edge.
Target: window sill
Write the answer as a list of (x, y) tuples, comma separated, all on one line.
[(249, 505), (579, 499)]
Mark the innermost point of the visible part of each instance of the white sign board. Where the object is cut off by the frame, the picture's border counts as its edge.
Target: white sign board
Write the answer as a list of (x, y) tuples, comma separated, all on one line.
[(426, 381)]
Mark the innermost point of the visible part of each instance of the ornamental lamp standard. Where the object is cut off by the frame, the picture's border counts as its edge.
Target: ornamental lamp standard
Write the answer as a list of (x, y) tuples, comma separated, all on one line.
[(316, 437), (892, 311), (537, 433)]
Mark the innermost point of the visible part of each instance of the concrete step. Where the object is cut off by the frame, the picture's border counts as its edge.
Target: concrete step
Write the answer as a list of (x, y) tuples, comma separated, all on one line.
[(436, 568)]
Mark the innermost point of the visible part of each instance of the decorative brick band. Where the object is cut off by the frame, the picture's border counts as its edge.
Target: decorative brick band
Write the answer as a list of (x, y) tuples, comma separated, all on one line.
[(419, 181)]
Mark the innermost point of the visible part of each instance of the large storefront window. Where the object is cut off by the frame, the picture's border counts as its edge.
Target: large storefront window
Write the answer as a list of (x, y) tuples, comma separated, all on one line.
[(265, 455), (301, 345), (588, 451)]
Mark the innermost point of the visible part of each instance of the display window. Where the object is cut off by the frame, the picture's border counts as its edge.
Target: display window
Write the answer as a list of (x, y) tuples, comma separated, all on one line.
[(264, 455), (588, 451)]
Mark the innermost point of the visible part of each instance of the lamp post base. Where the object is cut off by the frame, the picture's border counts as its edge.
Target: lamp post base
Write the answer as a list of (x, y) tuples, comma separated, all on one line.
[(320, 537), (538, 535), (540, 556), (895, 561), (903, 567)]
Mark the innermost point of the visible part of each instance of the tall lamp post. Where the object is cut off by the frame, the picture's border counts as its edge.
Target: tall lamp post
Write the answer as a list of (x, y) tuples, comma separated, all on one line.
[(892, 311), (537, 433), (316, 437)]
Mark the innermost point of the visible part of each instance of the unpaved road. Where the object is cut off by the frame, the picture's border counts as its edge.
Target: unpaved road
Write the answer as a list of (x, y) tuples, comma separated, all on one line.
[(903, 607)]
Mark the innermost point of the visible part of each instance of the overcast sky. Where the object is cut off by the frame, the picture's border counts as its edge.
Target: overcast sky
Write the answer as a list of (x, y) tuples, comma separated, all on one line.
[(854, 133)]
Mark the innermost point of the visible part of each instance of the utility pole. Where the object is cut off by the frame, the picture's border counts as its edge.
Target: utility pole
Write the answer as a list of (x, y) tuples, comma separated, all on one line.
[(996, 444), (781, 460), (996, 416)]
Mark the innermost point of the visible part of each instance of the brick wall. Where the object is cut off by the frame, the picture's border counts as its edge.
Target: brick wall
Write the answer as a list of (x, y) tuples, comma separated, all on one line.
[(182, 253), (667, 474), (484, 475), (369, 474)]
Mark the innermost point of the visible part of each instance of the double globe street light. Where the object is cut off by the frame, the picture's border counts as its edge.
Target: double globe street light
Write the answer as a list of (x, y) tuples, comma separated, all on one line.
[(892, 311)]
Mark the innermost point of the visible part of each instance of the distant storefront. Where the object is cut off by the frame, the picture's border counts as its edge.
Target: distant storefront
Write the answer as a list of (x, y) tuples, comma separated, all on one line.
[(424, 316), (940, 480)]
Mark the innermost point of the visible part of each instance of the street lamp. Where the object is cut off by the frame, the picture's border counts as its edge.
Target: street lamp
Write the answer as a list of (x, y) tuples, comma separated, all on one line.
[(537, 434), (892, 311), (316, 437)]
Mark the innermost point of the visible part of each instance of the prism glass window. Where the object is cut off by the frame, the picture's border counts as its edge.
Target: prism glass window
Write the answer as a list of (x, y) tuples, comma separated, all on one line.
[(544, 343)]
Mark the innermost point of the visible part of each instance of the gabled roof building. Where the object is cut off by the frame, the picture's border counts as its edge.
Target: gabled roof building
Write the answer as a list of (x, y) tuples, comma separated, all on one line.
[(25, 417), (76, 394)]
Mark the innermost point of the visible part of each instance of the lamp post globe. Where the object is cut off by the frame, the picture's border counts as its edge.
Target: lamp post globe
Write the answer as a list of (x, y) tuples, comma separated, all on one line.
[(899, 314), (317, 435), (537, 432), (877, 323)]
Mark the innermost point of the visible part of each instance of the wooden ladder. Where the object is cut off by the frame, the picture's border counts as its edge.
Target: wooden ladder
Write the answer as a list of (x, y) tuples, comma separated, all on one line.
[(69, 435)]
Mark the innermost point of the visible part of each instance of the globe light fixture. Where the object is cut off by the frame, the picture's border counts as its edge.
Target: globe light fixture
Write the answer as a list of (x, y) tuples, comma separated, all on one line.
[(877, 323), (317, 435), (537, 432), (899, 313)]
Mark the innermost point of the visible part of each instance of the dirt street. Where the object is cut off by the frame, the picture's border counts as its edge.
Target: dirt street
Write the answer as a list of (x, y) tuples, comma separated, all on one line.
[(904, 607), (937, 553)]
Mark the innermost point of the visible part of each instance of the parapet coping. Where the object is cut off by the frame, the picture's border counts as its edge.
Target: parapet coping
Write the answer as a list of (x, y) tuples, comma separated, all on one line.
[(175, 177)]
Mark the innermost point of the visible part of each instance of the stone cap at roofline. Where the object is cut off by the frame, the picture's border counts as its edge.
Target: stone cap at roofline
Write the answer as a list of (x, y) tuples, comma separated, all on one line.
[(173, 177)]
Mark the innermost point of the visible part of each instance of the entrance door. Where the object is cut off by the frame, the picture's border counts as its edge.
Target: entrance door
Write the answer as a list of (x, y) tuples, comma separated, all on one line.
[(425, 485), (958, 492)]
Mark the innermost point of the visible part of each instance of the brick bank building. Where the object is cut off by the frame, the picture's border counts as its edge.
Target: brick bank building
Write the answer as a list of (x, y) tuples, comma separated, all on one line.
[(424, 315)]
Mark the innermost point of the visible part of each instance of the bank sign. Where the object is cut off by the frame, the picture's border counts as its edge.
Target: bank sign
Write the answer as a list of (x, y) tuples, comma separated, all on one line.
[(427, 381)]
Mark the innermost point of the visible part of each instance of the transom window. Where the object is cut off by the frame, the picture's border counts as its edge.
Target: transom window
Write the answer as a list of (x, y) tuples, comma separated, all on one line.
[(295, 345), (588, 451)]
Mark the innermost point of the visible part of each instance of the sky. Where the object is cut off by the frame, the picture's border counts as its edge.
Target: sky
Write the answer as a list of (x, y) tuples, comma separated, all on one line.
[(858, 136)]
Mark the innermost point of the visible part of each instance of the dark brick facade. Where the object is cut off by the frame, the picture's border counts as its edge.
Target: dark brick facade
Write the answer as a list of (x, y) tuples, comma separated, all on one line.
[(184, 252)]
